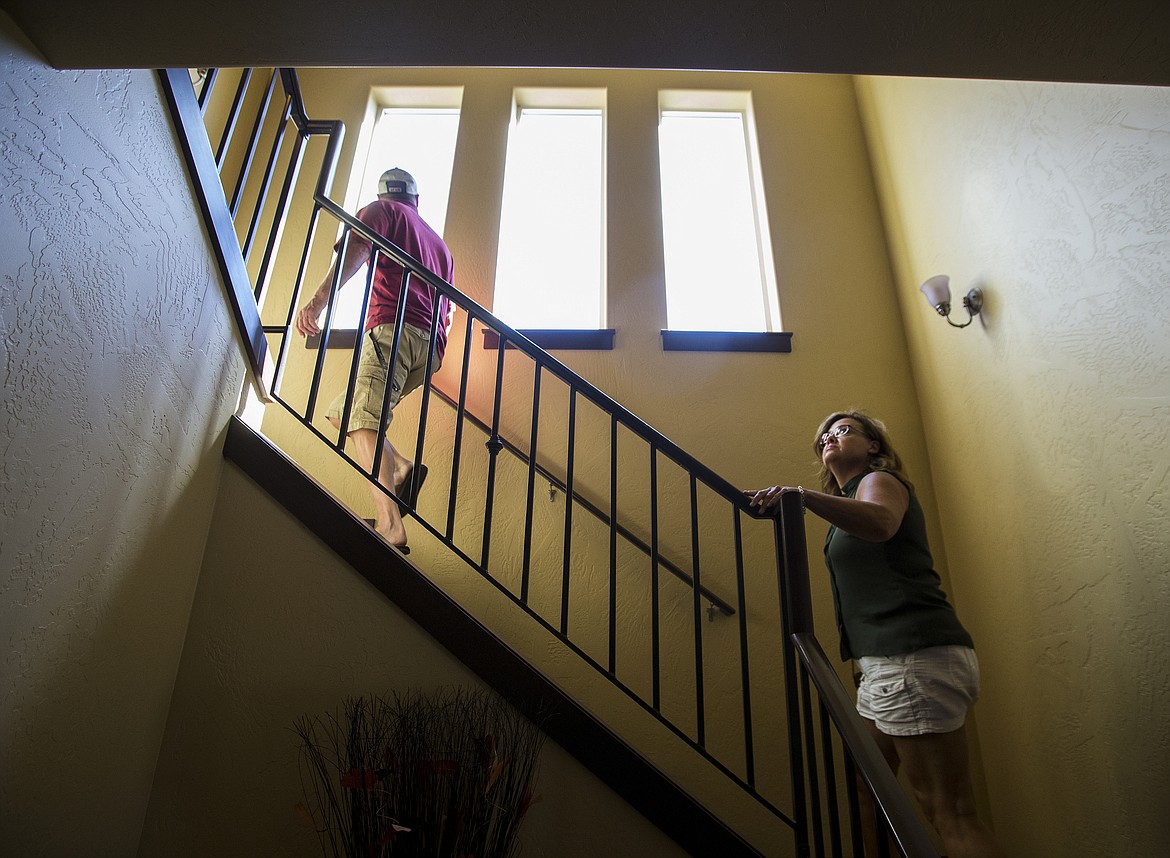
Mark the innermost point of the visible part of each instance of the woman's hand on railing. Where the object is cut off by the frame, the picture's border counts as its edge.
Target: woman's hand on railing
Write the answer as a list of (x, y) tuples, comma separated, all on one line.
[(769, 498)]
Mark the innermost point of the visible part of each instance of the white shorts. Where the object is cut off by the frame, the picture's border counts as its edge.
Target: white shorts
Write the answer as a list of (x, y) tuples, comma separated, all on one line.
[(928, 691)]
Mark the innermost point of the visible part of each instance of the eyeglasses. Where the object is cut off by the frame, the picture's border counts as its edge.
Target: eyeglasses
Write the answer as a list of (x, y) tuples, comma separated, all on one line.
[(839, 432)]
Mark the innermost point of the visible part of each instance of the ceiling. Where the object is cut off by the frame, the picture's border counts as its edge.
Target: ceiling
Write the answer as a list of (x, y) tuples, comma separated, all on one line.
[(1121, 41)]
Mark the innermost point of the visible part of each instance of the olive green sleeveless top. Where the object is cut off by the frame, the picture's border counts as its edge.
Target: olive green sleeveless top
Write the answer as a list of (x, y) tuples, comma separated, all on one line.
[(887, 596)]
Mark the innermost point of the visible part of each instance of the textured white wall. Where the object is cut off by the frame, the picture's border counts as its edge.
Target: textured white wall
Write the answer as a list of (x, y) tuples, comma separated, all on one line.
[(120, 368), (1048, 425)]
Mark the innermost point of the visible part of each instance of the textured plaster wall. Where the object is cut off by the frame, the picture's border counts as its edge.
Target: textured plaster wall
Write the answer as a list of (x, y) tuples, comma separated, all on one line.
[(1048, 425), (120, 367), (291, 630)]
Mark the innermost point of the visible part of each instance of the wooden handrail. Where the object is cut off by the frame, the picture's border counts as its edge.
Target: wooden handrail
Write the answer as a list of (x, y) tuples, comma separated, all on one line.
[(911, 837), (188, 116)]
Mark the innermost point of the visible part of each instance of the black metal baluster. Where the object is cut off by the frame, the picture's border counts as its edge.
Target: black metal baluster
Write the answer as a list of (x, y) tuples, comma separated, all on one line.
[(494, 445), (355, 358), (700, 723), (830, 780), (208, 85), (792, 704), (655, 642), (326, 327), (531, 483), (569, 463), (460, 411), (250, 150), (613, 498), (881, 831), (391, 366), (262, 194), (854, 808), (281, 213), (814, 787), (412, 485), (298, 287), (745, 681), (233, 117)]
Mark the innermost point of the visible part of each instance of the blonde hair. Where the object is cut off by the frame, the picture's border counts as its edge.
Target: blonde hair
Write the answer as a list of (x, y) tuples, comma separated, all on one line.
[(885, 459)]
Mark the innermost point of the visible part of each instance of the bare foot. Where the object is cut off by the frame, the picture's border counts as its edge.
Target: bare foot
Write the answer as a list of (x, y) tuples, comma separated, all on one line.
[(402, 471), (394, 537), (408, 495)]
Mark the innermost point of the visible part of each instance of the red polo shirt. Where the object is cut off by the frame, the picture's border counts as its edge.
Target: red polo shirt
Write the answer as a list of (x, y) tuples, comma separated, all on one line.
[(400, 223)]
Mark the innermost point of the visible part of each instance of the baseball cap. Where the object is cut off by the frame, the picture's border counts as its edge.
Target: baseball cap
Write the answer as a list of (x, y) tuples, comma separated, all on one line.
[(397, 181)]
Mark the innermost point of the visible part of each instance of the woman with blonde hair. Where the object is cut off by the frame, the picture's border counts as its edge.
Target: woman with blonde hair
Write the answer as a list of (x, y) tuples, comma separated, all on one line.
[(919, 674)]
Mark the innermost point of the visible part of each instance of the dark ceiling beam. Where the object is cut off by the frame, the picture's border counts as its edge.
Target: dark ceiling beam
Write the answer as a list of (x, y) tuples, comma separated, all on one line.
[(1119, 41)]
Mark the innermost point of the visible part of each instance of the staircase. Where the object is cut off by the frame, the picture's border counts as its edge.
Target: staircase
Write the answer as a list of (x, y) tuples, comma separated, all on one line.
[(679, 621)]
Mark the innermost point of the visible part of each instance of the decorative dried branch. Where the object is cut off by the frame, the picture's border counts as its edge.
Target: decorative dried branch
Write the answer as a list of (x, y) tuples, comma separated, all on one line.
[(448, 774)]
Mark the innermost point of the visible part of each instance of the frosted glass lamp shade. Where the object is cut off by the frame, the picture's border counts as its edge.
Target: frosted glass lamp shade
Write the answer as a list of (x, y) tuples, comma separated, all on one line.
[(937, 290)]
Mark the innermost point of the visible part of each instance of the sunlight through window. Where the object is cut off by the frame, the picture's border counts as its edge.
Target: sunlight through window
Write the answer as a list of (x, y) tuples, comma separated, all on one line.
[(718, 268), (550, 266), (422, 142)]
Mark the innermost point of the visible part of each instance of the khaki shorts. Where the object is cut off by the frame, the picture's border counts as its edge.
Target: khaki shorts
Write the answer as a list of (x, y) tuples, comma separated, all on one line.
[(409, 372), (928, 691)]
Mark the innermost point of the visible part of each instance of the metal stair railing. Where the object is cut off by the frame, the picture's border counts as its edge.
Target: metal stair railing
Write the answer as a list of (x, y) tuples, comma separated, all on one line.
[(659, 449), (688, 510), (556, 483)]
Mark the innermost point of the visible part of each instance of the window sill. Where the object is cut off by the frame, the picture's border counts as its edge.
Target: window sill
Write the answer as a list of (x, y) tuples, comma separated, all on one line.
[(552, 339), (603, 340), (339, 338), (726, 341)]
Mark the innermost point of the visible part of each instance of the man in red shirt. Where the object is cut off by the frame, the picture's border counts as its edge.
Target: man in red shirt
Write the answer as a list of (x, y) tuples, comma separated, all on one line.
[(395, 216)]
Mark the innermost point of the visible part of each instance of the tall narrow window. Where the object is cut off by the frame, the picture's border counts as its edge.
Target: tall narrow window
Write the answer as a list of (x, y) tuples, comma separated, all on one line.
[(420, 140), (719, 272), (551, 261)]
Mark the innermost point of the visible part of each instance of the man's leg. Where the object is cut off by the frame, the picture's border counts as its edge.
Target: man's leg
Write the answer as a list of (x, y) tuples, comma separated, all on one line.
[(392, 473), (394, 469), (939, 773)]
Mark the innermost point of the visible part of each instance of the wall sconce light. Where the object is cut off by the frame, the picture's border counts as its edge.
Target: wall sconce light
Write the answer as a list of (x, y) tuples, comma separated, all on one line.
[(937, 290)]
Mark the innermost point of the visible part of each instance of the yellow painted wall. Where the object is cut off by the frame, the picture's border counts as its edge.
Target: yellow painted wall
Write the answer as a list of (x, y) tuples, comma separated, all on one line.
[(283, 628), (746, 415), (832, 270), (1047, 424)]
